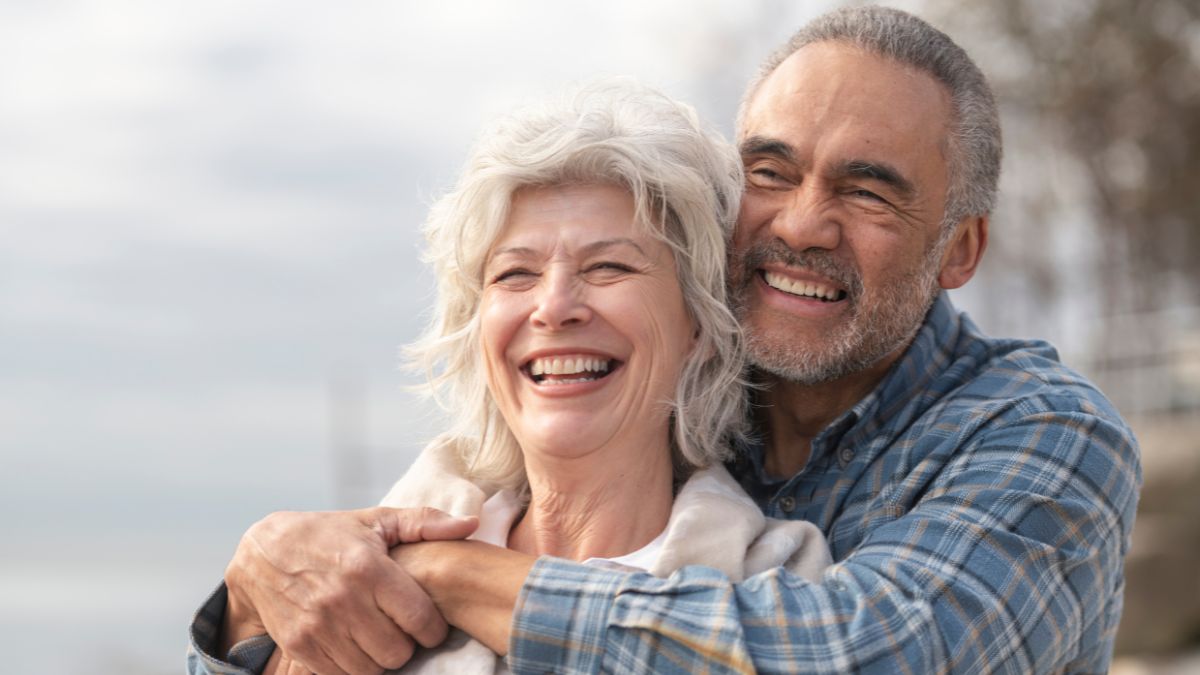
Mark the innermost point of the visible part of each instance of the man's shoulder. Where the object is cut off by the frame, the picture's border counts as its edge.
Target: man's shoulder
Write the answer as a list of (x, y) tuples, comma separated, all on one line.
[(1008, 397), (1014, 378)]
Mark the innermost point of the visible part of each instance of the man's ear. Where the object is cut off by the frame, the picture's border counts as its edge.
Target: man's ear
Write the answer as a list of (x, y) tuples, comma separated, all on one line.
[(963, 253)]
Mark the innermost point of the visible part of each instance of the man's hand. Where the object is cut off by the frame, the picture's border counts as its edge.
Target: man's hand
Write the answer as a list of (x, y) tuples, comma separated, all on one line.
[(322, 585)]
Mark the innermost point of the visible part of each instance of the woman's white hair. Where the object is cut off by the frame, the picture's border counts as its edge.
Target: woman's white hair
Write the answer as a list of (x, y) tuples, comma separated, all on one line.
[(686, 182)]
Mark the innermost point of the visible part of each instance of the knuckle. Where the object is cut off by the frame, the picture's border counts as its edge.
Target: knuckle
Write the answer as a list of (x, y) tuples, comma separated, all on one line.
[(272, 521), (294, 644), (360, 564), (303, 635), (326, 603), (397, 654)]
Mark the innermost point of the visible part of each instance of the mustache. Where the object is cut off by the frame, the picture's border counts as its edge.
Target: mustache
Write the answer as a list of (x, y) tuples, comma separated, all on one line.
[(818, 261)]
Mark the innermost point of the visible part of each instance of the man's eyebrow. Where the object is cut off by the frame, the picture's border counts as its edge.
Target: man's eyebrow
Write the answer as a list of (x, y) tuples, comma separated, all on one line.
[(879, 171), (762, 145)]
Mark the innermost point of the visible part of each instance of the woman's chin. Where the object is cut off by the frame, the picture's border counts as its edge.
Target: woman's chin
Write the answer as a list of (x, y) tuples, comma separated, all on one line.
[(566, 436)]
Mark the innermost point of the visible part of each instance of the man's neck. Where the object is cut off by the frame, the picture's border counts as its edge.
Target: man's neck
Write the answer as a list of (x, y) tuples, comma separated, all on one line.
[(794, 414)]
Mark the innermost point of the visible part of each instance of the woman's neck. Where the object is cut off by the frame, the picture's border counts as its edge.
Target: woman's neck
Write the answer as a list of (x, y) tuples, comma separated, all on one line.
[(600, 506)]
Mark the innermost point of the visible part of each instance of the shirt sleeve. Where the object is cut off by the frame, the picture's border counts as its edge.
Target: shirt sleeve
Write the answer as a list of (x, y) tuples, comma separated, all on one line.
[(1011, 561), (248, 657)]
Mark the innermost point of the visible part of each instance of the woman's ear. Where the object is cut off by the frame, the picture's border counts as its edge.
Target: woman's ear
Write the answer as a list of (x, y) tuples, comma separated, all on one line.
[(964, 252)]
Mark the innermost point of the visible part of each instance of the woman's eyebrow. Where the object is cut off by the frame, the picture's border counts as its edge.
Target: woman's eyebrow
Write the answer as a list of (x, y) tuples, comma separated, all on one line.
[(511, 251), (598, 246)]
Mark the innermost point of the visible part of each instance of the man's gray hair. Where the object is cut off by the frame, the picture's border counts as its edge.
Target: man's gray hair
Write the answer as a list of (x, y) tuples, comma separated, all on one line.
[(686, 183), (973, 147)]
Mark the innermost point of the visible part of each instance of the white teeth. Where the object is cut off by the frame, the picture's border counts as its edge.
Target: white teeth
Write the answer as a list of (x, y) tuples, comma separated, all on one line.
[(569, 365), (569, 380), (804, 288)]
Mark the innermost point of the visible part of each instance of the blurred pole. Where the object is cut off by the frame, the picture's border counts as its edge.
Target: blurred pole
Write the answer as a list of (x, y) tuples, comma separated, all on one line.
[(347, 392)]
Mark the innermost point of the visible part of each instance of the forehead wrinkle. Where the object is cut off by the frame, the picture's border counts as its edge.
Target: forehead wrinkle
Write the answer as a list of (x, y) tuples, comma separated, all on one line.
[(587, 249)]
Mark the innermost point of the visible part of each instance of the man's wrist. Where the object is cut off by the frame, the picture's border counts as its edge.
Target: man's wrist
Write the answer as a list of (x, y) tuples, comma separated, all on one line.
[(240, 622)]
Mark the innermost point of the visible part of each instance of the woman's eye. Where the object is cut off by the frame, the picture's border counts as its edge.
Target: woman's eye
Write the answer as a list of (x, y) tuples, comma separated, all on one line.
[(608, 268), (511, 275)]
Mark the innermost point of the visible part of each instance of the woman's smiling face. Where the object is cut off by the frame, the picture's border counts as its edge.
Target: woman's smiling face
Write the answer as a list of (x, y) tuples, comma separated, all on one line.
[(583, 324)]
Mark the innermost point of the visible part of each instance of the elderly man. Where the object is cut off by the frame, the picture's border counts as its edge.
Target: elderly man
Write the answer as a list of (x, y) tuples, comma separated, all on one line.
[(978, 496)]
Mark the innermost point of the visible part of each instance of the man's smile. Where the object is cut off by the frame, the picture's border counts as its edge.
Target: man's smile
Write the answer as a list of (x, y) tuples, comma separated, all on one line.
[(803, 288)]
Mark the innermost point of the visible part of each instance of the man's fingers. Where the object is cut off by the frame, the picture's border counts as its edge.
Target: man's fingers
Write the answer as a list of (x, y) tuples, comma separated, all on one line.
[(383, 642), (320, 664), (390, 649), (351, 659), (409, 606), (405, 526), (306, 645)]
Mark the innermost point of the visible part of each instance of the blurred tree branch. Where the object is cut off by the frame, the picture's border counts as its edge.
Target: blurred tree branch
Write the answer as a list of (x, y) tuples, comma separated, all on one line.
[(1118, 81)]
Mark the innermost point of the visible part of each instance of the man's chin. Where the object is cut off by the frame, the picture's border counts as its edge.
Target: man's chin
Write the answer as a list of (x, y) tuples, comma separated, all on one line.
[(803, 359)]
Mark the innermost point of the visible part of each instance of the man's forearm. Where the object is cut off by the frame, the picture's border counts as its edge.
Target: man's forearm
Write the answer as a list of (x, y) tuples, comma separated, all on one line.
[(474, 585)]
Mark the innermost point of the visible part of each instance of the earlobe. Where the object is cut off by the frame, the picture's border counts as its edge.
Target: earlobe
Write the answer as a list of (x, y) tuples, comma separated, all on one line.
[(964, 252)]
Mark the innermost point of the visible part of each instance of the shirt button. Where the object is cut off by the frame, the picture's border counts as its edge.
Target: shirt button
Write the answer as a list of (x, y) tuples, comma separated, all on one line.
[(787, 504), (845, 456)]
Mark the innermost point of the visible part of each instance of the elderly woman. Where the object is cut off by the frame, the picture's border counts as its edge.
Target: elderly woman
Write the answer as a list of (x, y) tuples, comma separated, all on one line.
[(583, 345)]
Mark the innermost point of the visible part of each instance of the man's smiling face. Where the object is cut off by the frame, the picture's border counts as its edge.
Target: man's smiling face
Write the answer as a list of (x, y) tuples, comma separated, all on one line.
[(835, 259)]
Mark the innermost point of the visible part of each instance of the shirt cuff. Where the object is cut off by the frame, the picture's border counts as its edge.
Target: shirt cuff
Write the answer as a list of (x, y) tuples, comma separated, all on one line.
[(561, 617), (248, 657)]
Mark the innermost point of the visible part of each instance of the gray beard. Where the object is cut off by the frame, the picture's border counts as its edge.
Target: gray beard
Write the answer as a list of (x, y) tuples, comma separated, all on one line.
[(882, 321)]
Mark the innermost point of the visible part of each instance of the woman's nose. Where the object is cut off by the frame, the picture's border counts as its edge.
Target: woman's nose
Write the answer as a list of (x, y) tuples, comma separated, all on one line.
[(560, 302)]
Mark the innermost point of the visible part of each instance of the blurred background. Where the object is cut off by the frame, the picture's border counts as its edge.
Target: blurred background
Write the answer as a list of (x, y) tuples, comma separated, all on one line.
[(209, 257)]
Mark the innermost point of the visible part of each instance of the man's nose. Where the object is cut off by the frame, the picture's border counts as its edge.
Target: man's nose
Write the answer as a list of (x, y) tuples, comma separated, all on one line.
[(807, 219), (560, 302)]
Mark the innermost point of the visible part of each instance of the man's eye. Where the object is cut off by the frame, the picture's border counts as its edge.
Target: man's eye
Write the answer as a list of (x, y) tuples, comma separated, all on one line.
[(867, 194), (766, 177)]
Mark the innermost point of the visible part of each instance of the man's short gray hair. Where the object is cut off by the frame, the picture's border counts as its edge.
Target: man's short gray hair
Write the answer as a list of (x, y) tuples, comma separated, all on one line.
[(973, 147), (686, 183)]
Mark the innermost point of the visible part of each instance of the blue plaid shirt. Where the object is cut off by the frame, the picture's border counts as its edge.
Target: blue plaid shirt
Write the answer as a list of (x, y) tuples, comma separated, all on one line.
[(978, 503)]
